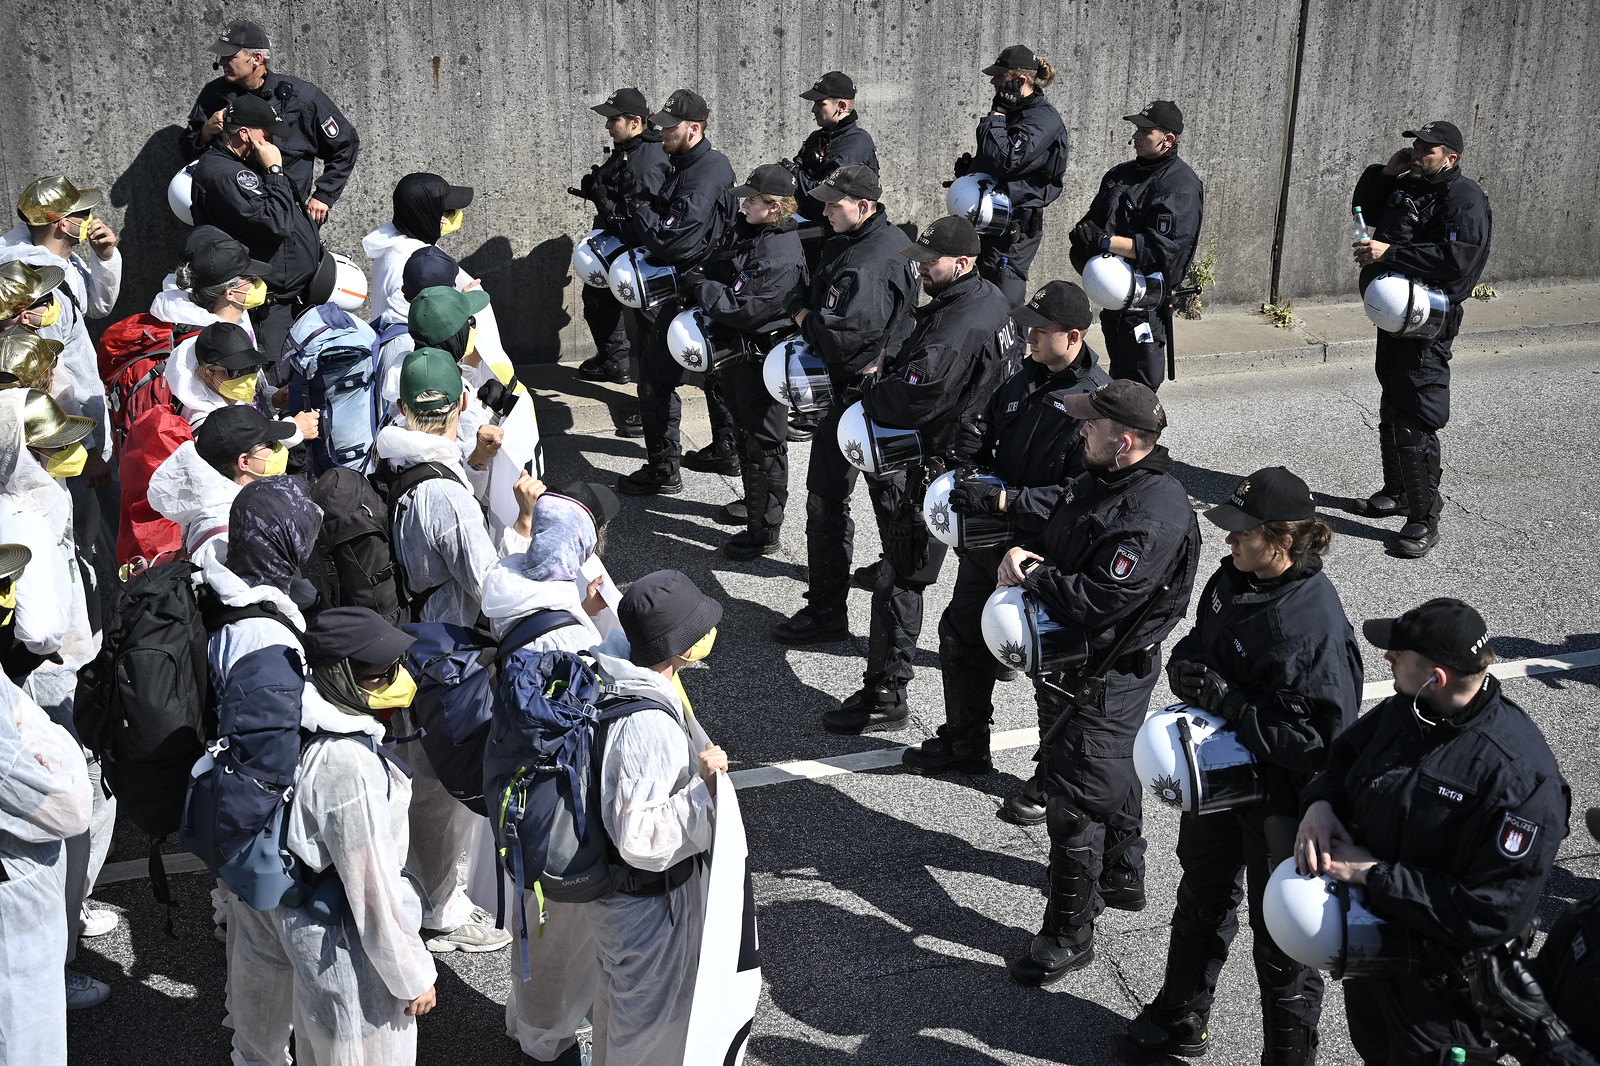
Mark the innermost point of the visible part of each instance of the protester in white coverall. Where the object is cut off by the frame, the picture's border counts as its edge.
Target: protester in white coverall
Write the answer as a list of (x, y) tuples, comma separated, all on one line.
[(544, 1014), (657, 804), (216, 282), (44, 799)]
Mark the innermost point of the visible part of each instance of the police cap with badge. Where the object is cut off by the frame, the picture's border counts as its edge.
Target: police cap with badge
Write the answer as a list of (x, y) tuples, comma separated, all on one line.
[(1406, 306)]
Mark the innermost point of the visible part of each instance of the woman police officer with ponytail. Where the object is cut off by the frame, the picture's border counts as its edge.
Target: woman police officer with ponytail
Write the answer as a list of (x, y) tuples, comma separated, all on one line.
[(1273, 653)]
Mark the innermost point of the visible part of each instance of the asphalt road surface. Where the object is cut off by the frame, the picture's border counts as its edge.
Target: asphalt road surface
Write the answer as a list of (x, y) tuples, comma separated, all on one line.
[(889, 902)]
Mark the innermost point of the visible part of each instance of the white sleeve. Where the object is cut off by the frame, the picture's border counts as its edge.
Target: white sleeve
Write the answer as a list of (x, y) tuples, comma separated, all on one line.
[(105, 282), (43, 612), (657, 808), (44, 782)]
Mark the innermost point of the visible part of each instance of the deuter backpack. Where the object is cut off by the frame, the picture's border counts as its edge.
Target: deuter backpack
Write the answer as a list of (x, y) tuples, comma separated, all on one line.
[(334, 370)]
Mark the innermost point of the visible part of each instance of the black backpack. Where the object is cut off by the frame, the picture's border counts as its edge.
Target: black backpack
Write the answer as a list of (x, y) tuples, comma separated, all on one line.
[(394, 486)]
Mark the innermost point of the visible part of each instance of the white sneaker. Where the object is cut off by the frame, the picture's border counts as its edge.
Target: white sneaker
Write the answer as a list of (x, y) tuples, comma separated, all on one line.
[(84, 991), (478, 933), (98, 922)]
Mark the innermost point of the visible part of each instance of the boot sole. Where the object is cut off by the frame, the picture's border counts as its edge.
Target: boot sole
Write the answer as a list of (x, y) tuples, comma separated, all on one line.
[(883, 725), (1032, 978), (1005, 815), (663, 490), (712, 468), (1415, 549), (972, 768), (1128, 1051)]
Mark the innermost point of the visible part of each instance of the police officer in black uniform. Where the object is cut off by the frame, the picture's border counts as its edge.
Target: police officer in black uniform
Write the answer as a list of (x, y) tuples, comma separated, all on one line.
[(857, 308), (241, 188), (1027, 439), (313, 127), (1433, 225), (962, 346), (745, 288), (635, 166), (1114, 567), (1022, 143), (839, 140), (1148, 211), (1272, 653), (682, 225), (1445, 803)]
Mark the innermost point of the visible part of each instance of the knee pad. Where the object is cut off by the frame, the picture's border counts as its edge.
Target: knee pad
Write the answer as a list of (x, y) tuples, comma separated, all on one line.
[(820, 508), (1407, 436), (1190, 908), (1063, 819)]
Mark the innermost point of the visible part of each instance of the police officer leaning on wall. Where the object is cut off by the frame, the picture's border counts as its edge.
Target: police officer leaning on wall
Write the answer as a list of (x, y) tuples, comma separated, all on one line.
[(313, 126), (1148, 211), (1433, 224), (1121, 539), (1026, 439), (1446, 804)]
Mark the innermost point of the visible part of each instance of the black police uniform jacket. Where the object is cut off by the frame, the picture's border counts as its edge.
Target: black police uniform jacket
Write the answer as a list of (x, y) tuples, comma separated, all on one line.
[(748, 281), (861, 297), (313, 128), (1110, 544), (963, 345), (685, 220), (1026, 150), (1158, 205), (261, 211), (637, 168), (1438, 228), (1465, 816), (1031, 443), (825, 151), (1293, 668)]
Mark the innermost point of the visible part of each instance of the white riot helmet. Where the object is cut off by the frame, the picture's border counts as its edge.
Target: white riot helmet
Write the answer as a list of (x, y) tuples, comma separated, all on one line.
[(180, 195), (640, 282), (978, 199), (349, 283), (797, 377), (1111, 282), (958, 530), (1192, 760), (875, 449), (1324, 923), (1021, 634), (592, 256), (1405, 306), (694, 342)]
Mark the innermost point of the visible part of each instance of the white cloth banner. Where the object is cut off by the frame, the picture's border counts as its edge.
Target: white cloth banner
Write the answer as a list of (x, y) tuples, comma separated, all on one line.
[(518, 448)]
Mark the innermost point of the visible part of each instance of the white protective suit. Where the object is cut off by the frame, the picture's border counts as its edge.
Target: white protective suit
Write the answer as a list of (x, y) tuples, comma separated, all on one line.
[(188, 490), (542, 1014), (44, 800), (658, 811)]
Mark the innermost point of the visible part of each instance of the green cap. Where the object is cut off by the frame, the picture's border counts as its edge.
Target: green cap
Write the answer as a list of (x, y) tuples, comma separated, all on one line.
[(430, 380), (438, 313)]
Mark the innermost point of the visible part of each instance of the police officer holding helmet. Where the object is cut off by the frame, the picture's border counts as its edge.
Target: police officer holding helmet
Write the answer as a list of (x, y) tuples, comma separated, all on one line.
[(1445, 803), (1028, 441), (1148, 212), (1114, 567), (1433, 225), (1272, 653)]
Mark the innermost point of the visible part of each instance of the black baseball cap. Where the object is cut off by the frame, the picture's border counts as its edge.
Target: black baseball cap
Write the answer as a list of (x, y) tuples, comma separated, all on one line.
[(428, 267), (1269, 495), (950, 235), (684, 105), (852, 179), (250, 110), (229, 432), (215, 258), (1061, 303), (226, 344), (769, 179), (241, 33), (1163, 113), (664, 614), (1129, 402), (1438, 132), (834, 85), (597, 499), (623, 102), (359, 634), (1016, 57), (1444, 631)]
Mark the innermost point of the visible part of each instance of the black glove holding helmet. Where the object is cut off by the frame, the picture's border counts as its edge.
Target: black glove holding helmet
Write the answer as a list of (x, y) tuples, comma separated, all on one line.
[(905, 544), (1087, 237), (1200, 686), (968, 443), (1008, 95), (974, 496), (965, 164)]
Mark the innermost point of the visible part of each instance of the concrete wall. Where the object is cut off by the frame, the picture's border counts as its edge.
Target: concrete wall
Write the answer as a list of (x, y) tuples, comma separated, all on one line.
[(497, 95)]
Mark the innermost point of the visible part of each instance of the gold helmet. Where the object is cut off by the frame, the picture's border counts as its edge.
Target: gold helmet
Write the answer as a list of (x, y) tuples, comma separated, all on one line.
[(13, 557), (46, 425), (28, 358), (22, 286), (54, 198)]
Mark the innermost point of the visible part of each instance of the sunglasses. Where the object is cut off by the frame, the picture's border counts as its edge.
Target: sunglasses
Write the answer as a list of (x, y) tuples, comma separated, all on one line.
[(366, 674)]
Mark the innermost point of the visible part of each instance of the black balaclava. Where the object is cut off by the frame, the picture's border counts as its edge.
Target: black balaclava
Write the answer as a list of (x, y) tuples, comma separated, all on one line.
[(418, 203)]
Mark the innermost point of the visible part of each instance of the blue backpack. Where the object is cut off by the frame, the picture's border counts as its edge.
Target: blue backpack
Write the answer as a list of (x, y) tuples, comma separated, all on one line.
[(334, 361), (455, 669)]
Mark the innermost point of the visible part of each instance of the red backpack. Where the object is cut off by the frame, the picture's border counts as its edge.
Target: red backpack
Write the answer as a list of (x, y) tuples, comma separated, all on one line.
[(133, 361)]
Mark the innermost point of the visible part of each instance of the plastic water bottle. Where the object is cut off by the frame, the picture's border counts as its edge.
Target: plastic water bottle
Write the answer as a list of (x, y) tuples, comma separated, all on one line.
[(1458, 1056), (1359, 230)]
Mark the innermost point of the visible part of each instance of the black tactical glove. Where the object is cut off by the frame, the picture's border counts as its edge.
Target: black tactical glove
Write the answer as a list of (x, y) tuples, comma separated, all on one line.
[(969, 438), (589, 187), (972, 496), (1512, 1006), (500, 399), (1087, 237), (965, 164), (1197, 684), (905, 545), (1008, 96), (791, 165)]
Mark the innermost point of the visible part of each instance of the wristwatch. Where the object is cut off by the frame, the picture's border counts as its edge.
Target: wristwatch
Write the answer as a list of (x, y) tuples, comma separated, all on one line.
[(274, 169)]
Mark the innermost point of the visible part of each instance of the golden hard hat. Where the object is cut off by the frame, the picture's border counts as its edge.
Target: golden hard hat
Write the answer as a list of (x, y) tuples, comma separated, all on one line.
[(46, 425), (22, 286), (54, 198), (13, 557), (28, 357)]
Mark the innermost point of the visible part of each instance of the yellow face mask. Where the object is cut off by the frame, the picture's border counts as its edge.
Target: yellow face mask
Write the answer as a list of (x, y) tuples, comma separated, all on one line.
[(256, 296), (276, 463), (677, 686), (8, 602), (68, 462), (472, 341), (396, 694), (702, 647), (449, 222), (241, 389), (82, 227), (50, 316)]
